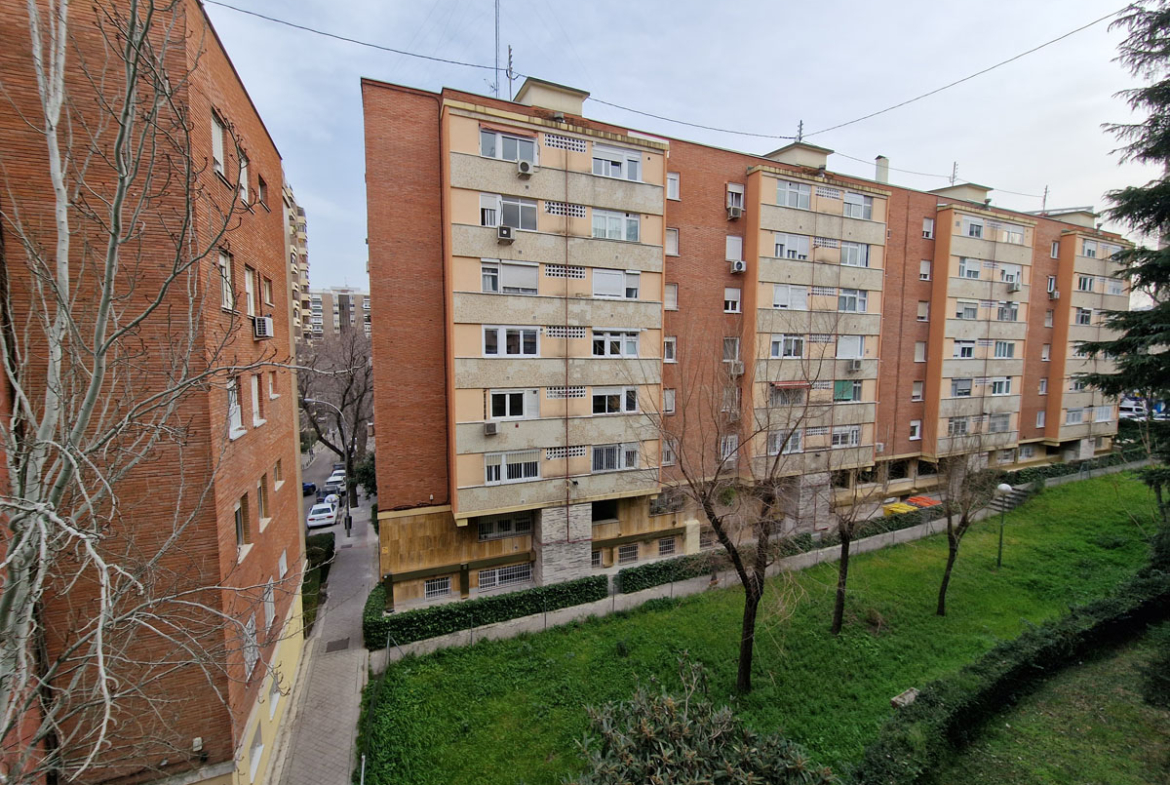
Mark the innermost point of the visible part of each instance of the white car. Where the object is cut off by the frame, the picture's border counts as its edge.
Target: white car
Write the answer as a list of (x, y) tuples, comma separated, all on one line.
[(321, 515)]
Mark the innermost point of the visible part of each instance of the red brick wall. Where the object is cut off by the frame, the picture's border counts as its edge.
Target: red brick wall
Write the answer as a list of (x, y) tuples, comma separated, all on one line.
[(407, 293)]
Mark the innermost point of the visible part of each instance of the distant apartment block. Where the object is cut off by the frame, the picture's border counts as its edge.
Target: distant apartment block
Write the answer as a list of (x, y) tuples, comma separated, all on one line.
[(337, 310), (553, 290), (296, 246)]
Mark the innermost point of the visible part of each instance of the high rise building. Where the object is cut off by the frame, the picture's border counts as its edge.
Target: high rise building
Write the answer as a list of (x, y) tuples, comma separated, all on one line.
[(296, 245), (573, 314), (336, 310)]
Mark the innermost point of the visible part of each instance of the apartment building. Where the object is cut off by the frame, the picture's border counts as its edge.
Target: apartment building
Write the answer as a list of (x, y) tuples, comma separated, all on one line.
[(215, 503), (336, 310), (296, 246), (596, 314)]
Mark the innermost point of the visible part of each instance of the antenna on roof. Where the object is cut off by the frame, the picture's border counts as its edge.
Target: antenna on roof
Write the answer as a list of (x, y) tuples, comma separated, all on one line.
[(800, 131), (1044, 202), (954, 172), (497, 71), (510, 73)]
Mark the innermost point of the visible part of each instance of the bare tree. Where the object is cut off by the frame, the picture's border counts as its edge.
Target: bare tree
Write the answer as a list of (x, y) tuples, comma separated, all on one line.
[(966, 486), (336, 382), (851, 506), (111, 338)]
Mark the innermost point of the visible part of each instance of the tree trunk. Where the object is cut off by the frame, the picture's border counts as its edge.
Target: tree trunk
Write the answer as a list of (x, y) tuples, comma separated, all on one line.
[(842, 581), (751, 602), (952, 554)]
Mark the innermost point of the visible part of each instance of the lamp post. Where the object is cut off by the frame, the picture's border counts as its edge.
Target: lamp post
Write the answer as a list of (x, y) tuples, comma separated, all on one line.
[(1001, 491), (348, 459)]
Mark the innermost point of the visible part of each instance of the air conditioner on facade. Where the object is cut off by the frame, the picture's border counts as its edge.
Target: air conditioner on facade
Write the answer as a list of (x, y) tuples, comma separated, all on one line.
[(262, 327), (1054, 294), (879, 448), (489, 428), (525, 168), (739, 266), (504, 234), (1014, 286), (734, 213), (737, 368), (854, 366)]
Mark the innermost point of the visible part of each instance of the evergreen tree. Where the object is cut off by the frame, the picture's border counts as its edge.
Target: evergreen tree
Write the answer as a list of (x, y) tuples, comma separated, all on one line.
[(1141, 350)]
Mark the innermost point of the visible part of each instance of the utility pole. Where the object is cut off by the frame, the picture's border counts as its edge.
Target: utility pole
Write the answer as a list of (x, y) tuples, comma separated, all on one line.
[(497, 71), (510, 74)]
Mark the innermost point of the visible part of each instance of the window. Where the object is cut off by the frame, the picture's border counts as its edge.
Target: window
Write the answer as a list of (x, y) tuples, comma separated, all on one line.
[(668, 397), (920, 351), (1051, 284), (616, 284), (615, 344), (1001, 386), (796, 195), (735, 195), (615, 400), (218, 132), (791, 246), (511, 341), (1027, 451), (434, 588), (965, 309), (1074, 416), (858, 206), (269, 600), (672, 242), (278, 475), (251, 647), (513, 404), (788, 297), (924, 270), (611, 225), (784, 442), (511, 211), (969, 268), (1048, 318), (508, 277), (915, 430), (1055, 252), (266, 291), (240, 514), (1008, 311), (846, 390), (493, 144), (855, 254), (972, 227), (257, 402), (852, 300), (1089, 249), (1005, 349), (670, 349), (850, 347), (964, 350), (961, 388), (620, 164), (1084, 316), (243, 183), (1103, 414), (924, 310), (235, 414), (261, 191), (1044, 385), (734, 246), (1114, 287), (1046, 352), (494, 527), (227, 295), (730, 350), (505, 576), (506, 467), (1085, 283), (672, 185), (666, 546), (671, 303), (614, 457), (731, 300), (1076, 384), (786, 396), (846, 436), (1040, 418), (669, 456), (788, 346), (916, 391), (1011, 273), (627, 554), (928, 228), (999, 423), (250, 291), (729, 447), (958, 426)]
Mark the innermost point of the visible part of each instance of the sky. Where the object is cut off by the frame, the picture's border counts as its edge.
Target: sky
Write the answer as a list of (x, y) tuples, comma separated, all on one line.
[(755, 66)]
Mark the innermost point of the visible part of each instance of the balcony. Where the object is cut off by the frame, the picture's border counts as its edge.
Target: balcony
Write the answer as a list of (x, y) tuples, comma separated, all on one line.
[(812, 369), (813, 224), (969, 329), (778, 320), (961, 245), (808, 273), (975, 405), (478, 499), (513, 435), (480, 242), (972, 289), (478, 373), (532, 309), (954, 367), (812, 461)]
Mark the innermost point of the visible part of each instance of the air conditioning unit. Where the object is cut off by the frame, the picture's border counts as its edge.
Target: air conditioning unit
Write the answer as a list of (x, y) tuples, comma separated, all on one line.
[(490, 428), (525, 168), (739, 266), (504, 234), (879, 448), (854, 366), (1014, 286), (1054, 294), (737, 368), (262, 327), (734, 213)]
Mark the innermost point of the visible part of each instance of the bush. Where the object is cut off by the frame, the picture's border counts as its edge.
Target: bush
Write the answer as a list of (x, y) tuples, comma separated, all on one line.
[(417, 625), (1033, 473), (949, 711), (318, 559), (1156, 675)]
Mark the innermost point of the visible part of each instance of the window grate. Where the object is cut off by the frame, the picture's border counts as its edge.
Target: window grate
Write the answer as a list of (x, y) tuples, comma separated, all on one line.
[(825, 291), (565, 208), (828, 193), (820, 338), (826, 242), (985, 342), (569, 143), (822, 385), (564, 271), (817, 430), (558, 453), (555, 393), (560, 331)]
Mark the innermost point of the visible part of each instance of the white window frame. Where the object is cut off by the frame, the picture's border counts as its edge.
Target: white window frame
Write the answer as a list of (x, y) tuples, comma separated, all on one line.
[(628, 163), (1009, 308), (235, 411), (924, 310), (972, 227), (1074, 416), (733, 248), (788, 347), (614, 457), (854, 254), (529, 404), (733, 356), (917, 390), (1041, 418), (502, 331), (502, 577), (625, 339), (790, 297), (954, 429), (842, 343), (795, 195), (1043, 385), (924, 270), (668, 400), (729, 447), (628, 554), (800, 246), (670, 349), (626, 399), (616, 225), (243, 179), (227, 293), (928, 228), (218, 134), (434, 588), (857, 206), (785, 442), (671, 241), (968, 265), (1086, 283), (1011, 273), (257, 411), (669, 454), (1055, 250), (844, 436), (1005, 350), (507, 274), (964, 349), (915, 430), (673, 186), (1089, 249), (967, 310), (920, 351), (250, 291), (735, 195), (1001, 386), (498, 152), (732, 300), (1046, 352), (852, 300), (962, 387), (526, 460), (671, 297), (620, 284)]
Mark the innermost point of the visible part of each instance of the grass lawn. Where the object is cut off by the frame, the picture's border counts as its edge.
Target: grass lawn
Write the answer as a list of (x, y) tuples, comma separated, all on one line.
[(512, 711), (1087, 724)]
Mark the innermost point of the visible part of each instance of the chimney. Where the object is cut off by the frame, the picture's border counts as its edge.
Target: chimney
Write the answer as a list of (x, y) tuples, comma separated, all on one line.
[(882, 167)]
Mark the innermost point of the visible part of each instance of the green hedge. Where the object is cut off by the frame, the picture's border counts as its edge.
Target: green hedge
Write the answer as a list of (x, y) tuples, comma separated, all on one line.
[(950, 711), (417, 625), (1032, 473)]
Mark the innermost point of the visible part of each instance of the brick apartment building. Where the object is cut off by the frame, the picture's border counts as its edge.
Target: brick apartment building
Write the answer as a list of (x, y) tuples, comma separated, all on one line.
[(335, 310), (570, 312), (236, 476)]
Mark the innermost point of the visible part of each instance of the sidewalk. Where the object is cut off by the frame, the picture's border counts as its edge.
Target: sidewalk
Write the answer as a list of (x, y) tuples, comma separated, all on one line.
[(319, 748)]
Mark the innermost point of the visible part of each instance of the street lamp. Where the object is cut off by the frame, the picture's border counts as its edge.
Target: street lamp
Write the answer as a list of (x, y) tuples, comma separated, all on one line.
[(1001, 491), (348, 459)]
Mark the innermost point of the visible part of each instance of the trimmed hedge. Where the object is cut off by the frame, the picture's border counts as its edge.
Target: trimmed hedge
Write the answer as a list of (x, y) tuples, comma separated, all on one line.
[(417, 625), (1029, 475), (950, 711)]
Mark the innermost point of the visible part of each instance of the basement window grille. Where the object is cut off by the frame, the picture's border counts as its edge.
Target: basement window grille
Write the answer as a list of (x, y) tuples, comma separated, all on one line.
[(564, 271), (558, 453), (561, 331), (572, 144), (565, 208), (505, 576), (555, 393)]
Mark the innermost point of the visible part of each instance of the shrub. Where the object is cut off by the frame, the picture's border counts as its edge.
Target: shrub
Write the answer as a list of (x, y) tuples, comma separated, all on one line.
[(1156, 675), (417, 625), (685, 739)]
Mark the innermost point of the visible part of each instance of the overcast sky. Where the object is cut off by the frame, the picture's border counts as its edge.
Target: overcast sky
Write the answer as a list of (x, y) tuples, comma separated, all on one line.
[(754, 66)]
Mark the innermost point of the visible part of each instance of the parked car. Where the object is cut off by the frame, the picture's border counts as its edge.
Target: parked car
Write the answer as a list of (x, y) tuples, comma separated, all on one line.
[(333, 499), (333, 485), (321, 515), (308, 488), (339, 467)]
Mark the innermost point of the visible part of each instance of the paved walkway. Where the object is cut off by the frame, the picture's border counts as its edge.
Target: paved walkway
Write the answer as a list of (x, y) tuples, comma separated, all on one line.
[(319, 747)]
